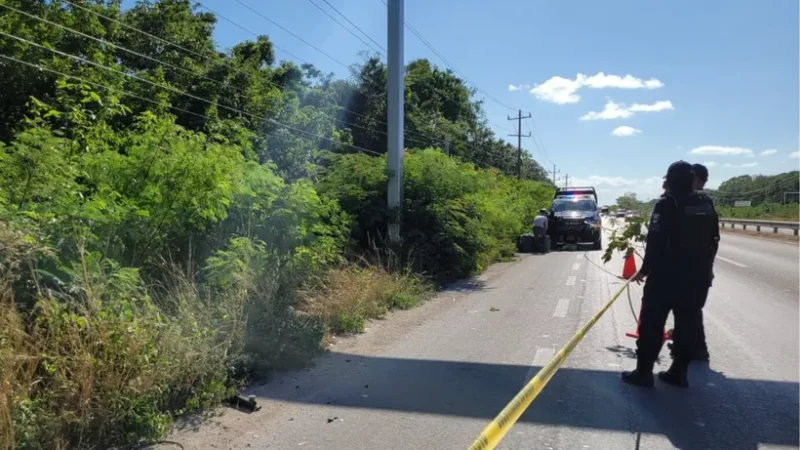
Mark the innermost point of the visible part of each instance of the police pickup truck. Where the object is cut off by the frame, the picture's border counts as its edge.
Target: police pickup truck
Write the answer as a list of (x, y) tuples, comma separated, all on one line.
[(575, 218)]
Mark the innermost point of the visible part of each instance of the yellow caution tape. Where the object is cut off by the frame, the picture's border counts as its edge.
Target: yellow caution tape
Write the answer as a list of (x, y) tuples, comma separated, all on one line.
[(492, 435)]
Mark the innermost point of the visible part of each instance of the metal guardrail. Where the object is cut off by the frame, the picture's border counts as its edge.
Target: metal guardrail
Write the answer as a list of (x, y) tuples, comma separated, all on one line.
[(758, 224)]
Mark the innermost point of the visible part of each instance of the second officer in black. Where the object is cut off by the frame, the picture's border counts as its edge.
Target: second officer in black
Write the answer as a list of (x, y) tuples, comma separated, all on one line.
[(677, 268)]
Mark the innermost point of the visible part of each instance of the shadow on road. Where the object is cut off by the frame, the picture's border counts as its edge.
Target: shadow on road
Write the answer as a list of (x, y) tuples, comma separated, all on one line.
[(466, 286), (627, 352), (716, 412)]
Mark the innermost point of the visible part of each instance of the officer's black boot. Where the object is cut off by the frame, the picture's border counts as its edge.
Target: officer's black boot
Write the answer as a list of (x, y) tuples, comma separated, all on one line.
[(701, 354), (642, 376), (677, 375)]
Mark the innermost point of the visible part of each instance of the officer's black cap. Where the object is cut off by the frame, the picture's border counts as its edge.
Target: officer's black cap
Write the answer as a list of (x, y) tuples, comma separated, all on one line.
[(679, 169), (700, 171), (680, 176)]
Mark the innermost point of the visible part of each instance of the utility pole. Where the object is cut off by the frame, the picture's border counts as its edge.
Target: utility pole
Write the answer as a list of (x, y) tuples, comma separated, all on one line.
[(566, 182), (395, 125), (554, 172), (519, 137)]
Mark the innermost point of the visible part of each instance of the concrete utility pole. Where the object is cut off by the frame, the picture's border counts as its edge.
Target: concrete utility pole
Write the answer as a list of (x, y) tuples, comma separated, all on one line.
[(519, 137), (554, 172), (566, 181), (396, 69)]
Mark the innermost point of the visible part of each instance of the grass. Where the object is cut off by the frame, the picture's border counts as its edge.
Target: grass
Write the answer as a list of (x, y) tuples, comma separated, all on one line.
[(346, 297), (106, 361)]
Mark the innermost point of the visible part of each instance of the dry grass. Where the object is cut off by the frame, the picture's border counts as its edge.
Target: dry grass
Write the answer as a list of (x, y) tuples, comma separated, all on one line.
[(99, 364), (346, 297)]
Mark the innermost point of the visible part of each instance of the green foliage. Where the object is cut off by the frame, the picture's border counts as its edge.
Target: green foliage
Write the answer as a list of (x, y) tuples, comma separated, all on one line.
[(160, 247), (628, 201), (456, 219), (765, 211), (629, 240), (758, 189)]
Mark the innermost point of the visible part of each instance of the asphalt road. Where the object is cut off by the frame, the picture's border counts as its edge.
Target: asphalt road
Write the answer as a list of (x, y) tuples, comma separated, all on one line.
[(433, 377)]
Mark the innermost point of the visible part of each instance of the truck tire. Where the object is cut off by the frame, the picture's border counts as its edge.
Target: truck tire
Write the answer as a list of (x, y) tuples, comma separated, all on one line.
[(598, 244)]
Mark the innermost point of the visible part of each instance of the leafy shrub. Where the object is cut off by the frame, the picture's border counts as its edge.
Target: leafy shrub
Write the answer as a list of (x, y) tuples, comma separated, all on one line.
[(456, 219), (141, 273), (99, 362), (765, 211)]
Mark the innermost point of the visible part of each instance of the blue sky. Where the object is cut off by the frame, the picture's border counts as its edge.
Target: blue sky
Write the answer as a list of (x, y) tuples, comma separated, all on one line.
[(715, 77)]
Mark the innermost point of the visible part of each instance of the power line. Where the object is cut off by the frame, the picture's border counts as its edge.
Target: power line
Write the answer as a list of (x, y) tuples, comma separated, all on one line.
[(519, 137), (165, 41), (178, 91), (428, 139), (291, 33), (348, 30), (207, 58), (326, 54), (251, 32), (539, 143), (354, 25), (136, 96), (173, 66), (445, 60), (111, 88)]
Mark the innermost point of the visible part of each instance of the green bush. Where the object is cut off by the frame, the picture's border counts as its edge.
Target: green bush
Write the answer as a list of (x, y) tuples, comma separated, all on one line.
[(456, 220), (765, 211), (141, 273)]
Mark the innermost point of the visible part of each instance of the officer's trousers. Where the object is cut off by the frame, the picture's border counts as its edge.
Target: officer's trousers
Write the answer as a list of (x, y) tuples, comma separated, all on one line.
[(685, 301)]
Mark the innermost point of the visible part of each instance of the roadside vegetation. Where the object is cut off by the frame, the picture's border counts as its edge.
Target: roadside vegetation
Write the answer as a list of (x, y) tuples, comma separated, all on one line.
[(773, 197), (765, 211), (158, 250)]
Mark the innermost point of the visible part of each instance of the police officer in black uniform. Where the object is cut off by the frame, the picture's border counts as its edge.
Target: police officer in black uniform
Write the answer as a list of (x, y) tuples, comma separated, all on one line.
[(677, 265), (700, 180)]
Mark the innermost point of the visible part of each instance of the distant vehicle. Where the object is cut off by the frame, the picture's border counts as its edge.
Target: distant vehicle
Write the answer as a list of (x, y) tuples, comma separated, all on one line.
[(576, 192), (621, 214), (575, 220), (633, 215), (604, 210)]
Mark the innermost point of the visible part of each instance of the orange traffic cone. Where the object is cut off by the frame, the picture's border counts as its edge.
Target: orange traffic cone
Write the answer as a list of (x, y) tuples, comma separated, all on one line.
[(635, 334), (629, 269)]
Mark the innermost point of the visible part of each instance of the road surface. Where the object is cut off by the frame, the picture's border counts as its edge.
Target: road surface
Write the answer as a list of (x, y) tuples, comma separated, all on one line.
[(433, 377)]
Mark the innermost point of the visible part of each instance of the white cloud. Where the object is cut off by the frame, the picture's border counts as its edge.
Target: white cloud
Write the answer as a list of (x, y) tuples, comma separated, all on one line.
[(655, 107), (609, 188), (603, 81), (794, 155), (729, 165), (771, 151), (625, 131), (720, 150), (613, 110), (709, 163), (562, 90), (512, 87), (558, 90)]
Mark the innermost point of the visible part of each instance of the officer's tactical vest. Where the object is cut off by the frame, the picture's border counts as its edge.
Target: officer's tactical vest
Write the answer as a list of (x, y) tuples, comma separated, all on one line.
[(691, 244)]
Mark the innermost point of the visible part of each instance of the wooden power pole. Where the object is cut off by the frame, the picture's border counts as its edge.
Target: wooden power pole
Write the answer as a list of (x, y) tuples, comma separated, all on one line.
[(519, 137)]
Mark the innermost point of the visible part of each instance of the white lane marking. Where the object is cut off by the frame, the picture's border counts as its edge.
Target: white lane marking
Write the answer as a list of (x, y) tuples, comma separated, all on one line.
[(571, 280), (561, 308), (576, 266), (579, 256), (729, 261), (543, 356)]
